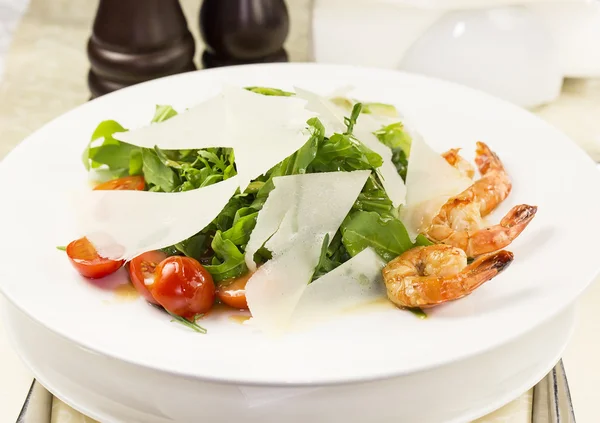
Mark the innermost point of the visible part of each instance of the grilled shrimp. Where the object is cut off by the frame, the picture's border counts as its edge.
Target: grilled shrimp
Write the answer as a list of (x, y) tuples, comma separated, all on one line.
[(459, 221), (456, 160), (429, 276)]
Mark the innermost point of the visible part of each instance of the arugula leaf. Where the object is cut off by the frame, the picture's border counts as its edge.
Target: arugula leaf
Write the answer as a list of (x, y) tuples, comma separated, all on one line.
[(195, 247), (105, 130), (136, 162), (243, 224), (400, 161), (343, 153), (190, 324), (270, 91), (158, 174), (375, 201), (388, 237), (351, 121), (165, 160), (381, 109), (422, 241), (228, 261), (395, 137), (335, 255), (115, 156), (162, 113)]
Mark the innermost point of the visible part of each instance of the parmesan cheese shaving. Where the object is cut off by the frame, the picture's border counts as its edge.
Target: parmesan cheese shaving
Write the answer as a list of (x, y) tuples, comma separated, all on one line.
[(430, 182), (124, 224), (316, 207), (201, 126), (264, 129), (356, 282)]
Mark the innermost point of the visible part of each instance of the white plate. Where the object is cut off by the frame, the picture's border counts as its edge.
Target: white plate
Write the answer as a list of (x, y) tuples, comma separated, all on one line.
[(114, 392), (556, 257)]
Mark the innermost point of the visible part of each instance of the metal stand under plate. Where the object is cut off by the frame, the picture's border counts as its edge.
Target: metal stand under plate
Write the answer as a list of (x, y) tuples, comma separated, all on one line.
[(552, 398)]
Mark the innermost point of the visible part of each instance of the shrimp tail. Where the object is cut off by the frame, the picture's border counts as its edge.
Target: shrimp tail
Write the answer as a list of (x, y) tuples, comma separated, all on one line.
[(517, 219), (473, 276), (499, 236), (488, 266)]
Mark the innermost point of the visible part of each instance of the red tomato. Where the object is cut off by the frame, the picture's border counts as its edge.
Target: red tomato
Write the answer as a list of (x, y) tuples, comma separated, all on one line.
[(128, 183), (183, 286), (88, 263), (233, 292), (141, 272)]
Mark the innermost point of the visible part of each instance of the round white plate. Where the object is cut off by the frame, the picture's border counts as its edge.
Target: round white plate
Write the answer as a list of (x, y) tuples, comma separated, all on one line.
[(121, 392), (556, 257)]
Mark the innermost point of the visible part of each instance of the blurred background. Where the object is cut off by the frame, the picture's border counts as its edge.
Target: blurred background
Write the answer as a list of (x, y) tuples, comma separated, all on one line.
[(539, 54)]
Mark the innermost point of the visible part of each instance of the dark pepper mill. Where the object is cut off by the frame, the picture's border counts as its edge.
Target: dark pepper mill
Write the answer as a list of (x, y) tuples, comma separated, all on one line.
[(243, 31), (135, 41)]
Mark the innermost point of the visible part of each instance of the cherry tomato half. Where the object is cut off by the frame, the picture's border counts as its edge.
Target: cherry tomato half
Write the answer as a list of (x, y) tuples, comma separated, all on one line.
[(88, 263), (128, 183), (141, 272), (233, 292), (183, 286)]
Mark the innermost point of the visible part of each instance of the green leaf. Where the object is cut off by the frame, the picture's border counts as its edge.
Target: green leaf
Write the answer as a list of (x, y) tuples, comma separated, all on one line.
[(213, 158), (158, 174), (351, 121), (243, 225), (192, 325), (195, 247), (105, 130), (374, 200), (61, 248), (400, 161), (165, 160), (115, 156), (270, 91), (344, 153), (228, 262), (388, 237), (422, 241), (163, 112), (381, 109), (395, 137), (136, 163)]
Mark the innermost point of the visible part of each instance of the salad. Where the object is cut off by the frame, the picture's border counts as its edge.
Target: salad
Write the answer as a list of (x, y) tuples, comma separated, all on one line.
[(302, 206)]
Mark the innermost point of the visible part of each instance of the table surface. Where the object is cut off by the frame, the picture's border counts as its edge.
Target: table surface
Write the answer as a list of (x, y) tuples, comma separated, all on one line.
[(45, 76)]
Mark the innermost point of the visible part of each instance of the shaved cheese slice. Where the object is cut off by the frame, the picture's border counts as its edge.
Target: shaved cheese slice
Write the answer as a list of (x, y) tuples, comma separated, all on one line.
[(319, 204), (124, 224), (309, 203), (332, 115), (201, 126), (430, 182), (354, 283), (264, 129)]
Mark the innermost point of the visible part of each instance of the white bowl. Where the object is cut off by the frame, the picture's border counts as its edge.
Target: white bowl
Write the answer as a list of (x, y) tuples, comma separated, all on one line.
[(112, 391), (548, 170)]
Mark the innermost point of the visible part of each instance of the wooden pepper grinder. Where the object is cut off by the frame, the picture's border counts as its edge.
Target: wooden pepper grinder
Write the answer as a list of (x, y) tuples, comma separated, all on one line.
[(135, 41), (243, 31)]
